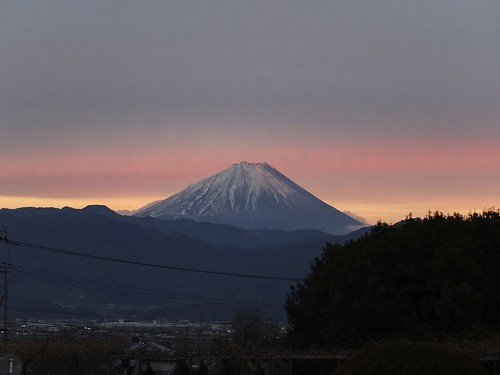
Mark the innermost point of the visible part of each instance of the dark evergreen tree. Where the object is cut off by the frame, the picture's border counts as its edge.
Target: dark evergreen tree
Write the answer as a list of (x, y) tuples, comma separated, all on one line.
[(182, 368), (202, 369), (439, 274), (411, 358)]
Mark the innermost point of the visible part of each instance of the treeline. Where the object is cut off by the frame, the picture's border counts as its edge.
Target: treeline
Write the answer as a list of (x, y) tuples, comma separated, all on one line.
[(420, 278)]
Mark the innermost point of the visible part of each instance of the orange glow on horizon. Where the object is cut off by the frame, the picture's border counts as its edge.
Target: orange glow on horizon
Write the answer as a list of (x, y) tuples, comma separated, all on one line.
[(382, 182), (390, 211)]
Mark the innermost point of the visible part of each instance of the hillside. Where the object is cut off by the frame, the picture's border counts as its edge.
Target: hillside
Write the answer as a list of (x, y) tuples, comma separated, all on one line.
[(64, 282)]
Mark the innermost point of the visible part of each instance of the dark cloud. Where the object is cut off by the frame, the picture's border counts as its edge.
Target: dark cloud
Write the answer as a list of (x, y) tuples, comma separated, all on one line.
[(89, 63)]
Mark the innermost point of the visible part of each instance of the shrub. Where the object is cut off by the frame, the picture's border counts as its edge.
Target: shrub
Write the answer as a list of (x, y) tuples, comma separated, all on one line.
[(411, 358)]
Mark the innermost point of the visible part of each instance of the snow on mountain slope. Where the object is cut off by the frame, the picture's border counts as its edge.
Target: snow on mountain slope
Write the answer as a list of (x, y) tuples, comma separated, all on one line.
[(252, 196)]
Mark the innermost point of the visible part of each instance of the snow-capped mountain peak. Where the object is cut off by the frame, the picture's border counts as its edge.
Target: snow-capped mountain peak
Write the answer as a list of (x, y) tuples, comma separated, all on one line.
[(251, 195)]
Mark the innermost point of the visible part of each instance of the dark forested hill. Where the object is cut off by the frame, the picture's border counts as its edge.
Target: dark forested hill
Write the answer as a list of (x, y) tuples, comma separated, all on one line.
[(422, 277)]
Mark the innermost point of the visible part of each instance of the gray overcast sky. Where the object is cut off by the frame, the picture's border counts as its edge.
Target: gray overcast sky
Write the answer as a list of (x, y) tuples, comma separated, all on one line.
[(142, 75), (64, 63)]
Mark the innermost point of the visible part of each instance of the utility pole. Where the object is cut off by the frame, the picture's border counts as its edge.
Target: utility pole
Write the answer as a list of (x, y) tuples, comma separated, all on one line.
[(5, 268)]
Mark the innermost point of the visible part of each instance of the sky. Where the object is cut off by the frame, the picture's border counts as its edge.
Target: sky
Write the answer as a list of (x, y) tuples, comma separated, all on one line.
[(379, 108)]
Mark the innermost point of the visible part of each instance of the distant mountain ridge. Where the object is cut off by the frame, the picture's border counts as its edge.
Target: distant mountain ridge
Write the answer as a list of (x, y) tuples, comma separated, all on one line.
[(252, 196), (61, 283)]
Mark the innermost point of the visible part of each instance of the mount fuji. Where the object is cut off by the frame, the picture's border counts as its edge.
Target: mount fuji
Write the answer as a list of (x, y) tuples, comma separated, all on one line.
[(252, 196)]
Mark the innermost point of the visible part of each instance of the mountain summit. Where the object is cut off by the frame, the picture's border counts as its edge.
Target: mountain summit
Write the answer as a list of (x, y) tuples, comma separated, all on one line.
[(252, 196)]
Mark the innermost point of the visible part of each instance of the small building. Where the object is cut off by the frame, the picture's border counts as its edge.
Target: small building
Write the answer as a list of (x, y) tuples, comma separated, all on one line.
[(147, 358)]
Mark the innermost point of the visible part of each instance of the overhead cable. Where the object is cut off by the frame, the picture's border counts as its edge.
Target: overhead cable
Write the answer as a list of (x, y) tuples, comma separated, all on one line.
[(143, 264)]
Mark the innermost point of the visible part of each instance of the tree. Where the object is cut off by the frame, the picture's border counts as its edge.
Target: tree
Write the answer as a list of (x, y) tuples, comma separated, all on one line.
[(251, 333), (202, 369), (411, 358), (421, 277), (181, 368)]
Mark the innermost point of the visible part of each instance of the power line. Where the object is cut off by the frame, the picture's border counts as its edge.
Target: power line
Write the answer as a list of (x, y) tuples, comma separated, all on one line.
[(130, 289), (36, 309), (211, 302), (143, 264), (142, 293)]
